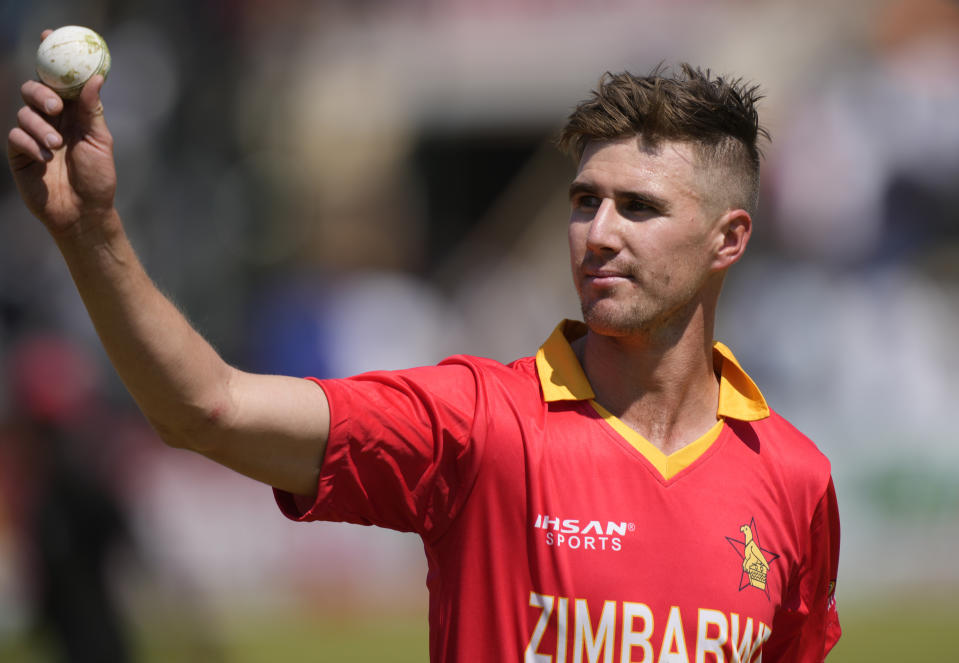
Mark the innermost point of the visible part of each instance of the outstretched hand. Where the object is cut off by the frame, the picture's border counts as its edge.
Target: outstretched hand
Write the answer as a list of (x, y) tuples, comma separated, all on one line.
[(61, 156)]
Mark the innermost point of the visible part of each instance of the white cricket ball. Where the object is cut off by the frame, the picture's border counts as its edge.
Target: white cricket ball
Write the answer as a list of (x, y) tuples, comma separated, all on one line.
[(69, 57)]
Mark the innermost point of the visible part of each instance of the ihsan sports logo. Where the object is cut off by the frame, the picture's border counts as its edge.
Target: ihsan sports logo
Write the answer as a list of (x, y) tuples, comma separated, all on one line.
[(576, 534)]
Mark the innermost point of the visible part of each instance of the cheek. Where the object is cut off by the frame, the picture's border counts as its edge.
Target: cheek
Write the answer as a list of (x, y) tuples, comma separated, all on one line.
[(577, 242), (677, 265), (689, 248)]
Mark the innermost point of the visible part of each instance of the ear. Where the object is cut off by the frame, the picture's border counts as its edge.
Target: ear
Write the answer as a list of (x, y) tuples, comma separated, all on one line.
[(733, 230)]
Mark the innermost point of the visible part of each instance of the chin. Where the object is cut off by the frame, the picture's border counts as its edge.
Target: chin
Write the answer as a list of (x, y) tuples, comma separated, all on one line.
[(654, 322), (614, 322)]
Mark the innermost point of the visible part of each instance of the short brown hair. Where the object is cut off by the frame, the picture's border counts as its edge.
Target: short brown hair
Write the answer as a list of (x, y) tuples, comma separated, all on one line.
[(716, 115)]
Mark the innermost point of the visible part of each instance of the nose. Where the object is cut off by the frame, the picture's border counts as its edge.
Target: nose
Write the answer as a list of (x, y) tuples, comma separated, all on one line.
[(604, 229)]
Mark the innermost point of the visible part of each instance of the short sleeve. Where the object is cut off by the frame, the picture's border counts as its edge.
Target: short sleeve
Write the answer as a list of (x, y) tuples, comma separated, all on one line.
[(403, 451), (807, 625)]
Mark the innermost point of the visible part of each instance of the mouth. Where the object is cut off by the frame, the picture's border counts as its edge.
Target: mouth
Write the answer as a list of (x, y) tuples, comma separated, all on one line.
[(605, 277)]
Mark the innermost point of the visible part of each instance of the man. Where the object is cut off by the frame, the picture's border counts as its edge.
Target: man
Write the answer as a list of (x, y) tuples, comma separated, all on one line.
[(624, 495)]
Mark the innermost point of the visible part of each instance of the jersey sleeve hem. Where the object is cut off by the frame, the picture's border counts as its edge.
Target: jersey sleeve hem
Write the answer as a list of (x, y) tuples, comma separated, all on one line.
[(301, 508)]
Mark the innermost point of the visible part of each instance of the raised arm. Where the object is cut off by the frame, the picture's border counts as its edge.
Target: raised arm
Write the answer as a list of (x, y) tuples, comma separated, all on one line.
[(271, 428)]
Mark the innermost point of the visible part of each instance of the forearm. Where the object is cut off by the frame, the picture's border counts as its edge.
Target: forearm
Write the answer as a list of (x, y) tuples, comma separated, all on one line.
[(175, 376), (271, 428)]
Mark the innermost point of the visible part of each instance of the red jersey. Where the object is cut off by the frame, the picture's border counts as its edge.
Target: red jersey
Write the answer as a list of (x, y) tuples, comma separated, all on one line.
[(555, 533)]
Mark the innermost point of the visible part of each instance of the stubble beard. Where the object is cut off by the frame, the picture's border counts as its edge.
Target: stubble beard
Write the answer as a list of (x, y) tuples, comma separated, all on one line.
[(603, 317), (652, 321)]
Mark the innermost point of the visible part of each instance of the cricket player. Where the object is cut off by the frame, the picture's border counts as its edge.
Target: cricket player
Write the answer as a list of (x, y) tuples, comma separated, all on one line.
[(623, 494)]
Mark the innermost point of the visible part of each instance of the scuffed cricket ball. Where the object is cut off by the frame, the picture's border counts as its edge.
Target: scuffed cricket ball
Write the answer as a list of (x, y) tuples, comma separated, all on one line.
[(69, 57)]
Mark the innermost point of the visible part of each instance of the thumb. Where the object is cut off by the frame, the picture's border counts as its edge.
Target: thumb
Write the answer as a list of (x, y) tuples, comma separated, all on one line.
[(90, 109)]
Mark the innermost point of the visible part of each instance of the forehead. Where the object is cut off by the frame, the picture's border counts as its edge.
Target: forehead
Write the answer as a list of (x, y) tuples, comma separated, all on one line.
[(667, 168)]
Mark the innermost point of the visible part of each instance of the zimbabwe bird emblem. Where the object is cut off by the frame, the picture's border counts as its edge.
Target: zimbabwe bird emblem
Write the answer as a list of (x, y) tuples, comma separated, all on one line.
[(755, 558)]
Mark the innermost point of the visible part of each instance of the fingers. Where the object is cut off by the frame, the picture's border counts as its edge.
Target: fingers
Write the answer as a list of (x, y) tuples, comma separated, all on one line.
[(35, 135), (37, 95), (37, 126), (44, 124), (89, 99), (19, 142), (89, 112)]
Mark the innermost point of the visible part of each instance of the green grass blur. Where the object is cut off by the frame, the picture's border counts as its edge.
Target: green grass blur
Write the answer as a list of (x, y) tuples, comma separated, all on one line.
[(896, 628), (884, 629), (294, 638)]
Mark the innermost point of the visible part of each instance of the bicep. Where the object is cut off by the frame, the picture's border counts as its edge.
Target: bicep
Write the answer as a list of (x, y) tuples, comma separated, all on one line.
[(275, 431)]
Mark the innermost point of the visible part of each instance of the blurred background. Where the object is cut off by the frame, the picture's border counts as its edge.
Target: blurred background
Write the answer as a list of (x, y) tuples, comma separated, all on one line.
[(330, 186)]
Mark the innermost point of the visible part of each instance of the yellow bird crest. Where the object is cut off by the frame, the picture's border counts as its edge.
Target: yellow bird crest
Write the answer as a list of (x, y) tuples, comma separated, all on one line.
[(754, 562)]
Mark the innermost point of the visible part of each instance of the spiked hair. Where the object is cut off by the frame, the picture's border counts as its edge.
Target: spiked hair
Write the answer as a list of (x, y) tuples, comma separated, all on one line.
[(716, 115)]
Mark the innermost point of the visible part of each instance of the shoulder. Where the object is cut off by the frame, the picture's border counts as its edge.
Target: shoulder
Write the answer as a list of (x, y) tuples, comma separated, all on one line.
[(790, 442), (518, 378), (519, 368), (787, 452), (459, 379)]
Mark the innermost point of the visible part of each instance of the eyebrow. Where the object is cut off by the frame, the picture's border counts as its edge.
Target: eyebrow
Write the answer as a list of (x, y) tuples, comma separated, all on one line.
[(579, 187)]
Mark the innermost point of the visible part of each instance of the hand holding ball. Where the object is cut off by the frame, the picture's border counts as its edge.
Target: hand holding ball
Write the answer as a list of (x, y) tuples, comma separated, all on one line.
[(69, 57)]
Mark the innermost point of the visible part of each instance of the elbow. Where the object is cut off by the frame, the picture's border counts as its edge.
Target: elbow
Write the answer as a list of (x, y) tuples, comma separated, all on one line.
[(200, 431)]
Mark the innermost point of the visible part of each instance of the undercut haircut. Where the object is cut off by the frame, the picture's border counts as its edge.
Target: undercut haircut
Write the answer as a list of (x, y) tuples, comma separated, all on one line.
[(717, 116)]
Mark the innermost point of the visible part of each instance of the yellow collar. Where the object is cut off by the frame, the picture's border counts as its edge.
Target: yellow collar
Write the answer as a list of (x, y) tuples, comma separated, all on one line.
[(562, 378)]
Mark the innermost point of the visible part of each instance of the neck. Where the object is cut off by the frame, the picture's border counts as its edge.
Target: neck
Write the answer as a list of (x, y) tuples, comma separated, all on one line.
[(662, 385)]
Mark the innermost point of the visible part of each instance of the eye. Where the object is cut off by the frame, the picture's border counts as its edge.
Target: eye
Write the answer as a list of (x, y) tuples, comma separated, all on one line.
[(638, 206), (586, 202)]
